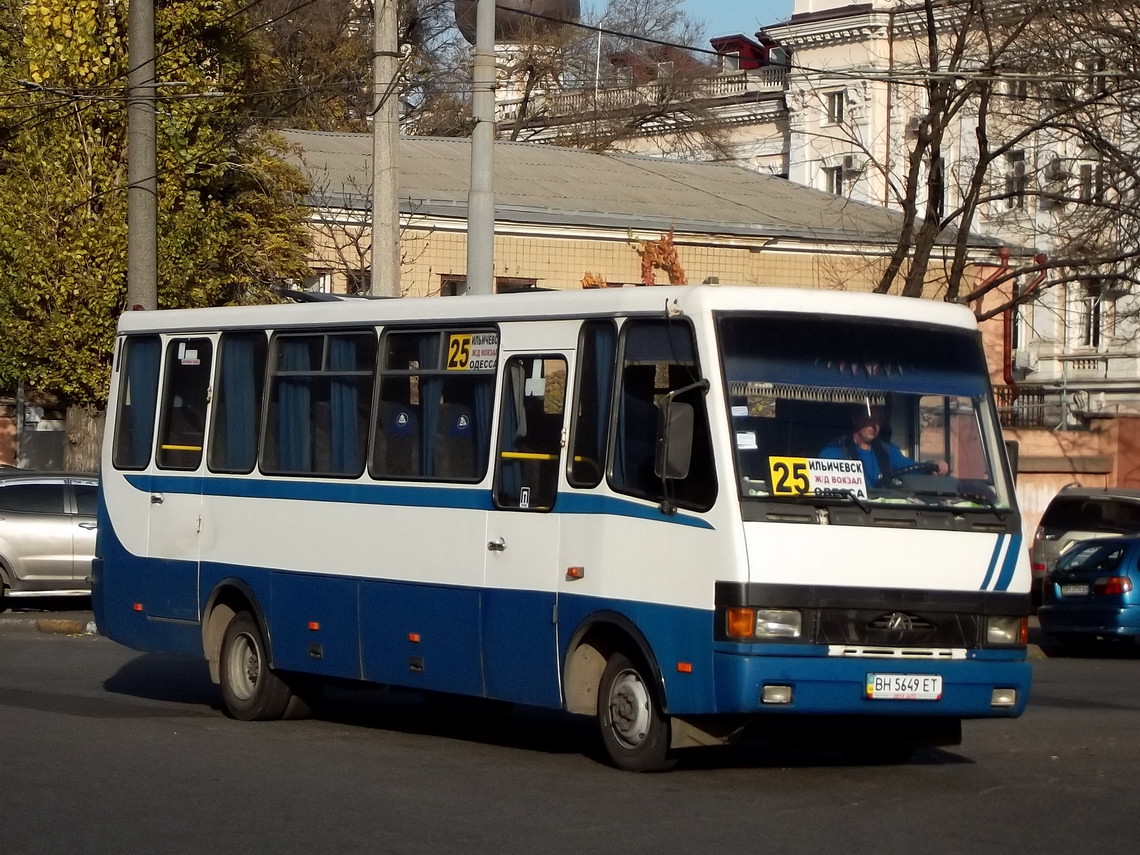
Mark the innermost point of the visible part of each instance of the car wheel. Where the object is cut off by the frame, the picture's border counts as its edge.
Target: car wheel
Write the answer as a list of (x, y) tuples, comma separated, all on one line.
[(4, 599), (251, 691), (635, 733)]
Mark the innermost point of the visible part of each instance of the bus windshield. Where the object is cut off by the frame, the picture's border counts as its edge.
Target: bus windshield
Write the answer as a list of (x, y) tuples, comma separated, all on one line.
[(861, 409)]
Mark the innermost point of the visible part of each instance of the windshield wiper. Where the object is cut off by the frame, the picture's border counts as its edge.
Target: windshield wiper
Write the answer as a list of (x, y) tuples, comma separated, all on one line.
[(863, 504)]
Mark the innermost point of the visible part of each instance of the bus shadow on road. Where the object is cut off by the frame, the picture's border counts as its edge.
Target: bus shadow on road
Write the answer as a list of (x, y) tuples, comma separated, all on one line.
[(186, 680), (165, 677)]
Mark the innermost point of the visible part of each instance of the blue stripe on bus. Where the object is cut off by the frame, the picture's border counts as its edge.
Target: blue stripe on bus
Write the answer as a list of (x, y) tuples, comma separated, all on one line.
[(1010, 563), (993, 562), (355, 492)]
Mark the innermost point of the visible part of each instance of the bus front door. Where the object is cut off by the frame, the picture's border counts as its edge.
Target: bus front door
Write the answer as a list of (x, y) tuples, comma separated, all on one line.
[(176, 495), (520, 661)]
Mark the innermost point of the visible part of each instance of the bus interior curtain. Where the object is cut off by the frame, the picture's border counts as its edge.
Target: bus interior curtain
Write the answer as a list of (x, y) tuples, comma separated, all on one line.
[(483, 405), (142, 372), (431, 387), (294, 408), (605, 347), (346, 452), (241, 404)]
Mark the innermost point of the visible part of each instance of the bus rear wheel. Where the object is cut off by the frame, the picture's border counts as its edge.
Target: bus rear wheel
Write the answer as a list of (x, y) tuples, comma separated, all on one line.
[(251, 691), (635, 733)]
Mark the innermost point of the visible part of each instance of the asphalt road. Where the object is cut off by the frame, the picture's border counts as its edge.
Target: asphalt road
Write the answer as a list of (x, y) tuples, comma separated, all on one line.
[(105, 750)]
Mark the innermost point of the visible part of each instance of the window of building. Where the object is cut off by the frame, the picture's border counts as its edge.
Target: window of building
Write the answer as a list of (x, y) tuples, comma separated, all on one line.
[(835, 107), (833, 180), (1090, 315), (454, 284), (730, 62), (318, 281), (1091, 182), (1016, 179), (1016, 88), (359, 281)]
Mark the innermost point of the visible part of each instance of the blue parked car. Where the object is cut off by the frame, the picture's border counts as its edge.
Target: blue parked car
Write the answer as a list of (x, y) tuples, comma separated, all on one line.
[(1093, 592)]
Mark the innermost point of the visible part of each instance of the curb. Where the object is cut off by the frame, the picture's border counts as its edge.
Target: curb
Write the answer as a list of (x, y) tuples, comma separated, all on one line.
[(56, 626)]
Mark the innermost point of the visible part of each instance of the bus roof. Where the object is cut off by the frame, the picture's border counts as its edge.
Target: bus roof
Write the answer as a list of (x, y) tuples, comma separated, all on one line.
[(688, 299)]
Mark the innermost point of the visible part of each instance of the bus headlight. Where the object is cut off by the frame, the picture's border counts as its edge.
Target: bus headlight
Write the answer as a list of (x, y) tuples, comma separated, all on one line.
[(747, 623), (1007, 630), (779, 623)]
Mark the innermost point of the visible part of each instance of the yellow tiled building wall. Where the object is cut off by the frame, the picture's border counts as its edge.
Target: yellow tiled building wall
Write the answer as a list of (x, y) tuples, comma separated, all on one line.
[(429, 256)]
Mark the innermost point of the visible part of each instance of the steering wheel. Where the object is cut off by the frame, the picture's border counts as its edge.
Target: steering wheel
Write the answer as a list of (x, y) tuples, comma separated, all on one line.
[(925, 467)]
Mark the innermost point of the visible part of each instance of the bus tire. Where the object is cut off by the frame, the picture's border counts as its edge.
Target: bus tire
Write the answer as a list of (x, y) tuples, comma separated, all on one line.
[(250, 689), (635, 733)]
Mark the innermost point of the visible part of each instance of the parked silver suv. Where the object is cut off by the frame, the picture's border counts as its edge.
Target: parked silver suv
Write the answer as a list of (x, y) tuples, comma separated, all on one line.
[(47, 533), (1079, 513)]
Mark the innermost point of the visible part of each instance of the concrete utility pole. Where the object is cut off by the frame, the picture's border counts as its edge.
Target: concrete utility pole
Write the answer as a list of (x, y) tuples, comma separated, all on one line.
[(385, 280), (481, 193), (142, 161)]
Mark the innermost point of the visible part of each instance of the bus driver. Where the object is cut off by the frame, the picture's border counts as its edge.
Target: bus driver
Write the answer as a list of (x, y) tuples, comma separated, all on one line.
[(880, 457)]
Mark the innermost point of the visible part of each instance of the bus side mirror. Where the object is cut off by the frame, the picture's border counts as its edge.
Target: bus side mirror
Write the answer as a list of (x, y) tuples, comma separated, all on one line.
[(674, 440), (1012, 450)]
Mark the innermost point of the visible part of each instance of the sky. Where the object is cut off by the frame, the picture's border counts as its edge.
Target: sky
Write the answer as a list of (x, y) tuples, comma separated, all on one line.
[(725, 17)]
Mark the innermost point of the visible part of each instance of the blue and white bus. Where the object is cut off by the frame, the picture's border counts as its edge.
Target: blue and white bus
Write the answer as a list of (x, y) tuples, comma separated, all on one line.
[(613, 503)]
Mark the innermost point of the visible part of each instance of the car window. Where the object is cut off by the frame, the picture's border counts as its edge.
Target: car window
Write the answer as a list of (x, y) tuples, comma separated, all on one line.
[(32, 498), (86, 498), (1093, 557), (1081, 514)]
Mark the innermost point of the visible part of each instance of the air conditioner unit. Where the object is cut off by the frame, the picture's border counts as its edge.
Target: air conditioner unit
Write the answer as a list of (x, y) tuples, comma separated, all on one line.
[(851, 163), (1023, 360), (914, 126)]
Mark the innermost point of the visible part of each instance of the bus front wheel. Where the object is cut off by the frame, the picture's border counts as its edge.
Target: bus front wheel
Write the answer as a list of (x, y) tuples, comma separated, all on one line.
[(250, 689), (635, 733)]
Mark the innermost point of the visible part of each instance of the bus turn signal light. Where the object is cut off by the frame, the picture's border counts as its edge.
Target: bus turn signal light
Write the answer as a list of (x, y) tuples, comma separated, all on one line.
[(740, 622)]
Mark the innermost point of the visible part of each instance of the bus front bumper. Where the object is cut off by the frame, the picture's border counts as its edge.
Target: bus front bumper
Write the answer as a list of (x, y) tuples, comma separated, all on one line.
[(988, 684)]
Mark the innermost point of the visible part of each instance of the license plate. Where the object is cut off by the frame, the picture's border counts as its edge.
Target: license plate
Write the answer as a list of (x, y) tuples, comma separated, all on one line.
[(904, 687), (1074, 590)]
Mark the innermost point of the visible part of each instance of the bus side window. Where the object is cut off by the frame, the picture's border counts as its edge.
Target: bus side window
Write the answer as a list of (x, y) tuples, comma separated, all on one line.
[(236, 423), (659, 357), (433, 418), (530, 434), (320, 402), (592, 402), (185, 391), (138, 393)]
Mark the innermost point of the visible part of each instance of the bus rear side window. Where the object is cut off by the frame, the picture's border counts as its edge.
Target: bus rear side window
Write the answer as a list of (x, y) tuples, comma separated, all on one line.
[(237, 405), (138, 394)]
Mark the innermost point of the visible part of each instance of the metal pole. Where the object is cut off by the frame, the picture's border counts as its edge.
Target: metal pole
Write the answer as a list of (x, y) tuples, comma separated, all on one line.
[(385, 279), (481, 194), (142, 161)]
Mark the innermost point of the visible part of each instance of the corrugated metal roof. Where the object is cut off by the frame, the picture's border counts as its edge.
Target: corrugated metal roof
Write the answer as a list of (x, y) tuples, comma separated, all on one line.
[(543, 184)]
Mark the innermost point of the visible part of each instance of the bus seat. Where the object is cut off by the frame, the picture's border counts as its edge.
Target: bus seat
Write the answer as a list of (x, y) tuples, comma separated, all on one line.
[(453, 455), (397, 440)]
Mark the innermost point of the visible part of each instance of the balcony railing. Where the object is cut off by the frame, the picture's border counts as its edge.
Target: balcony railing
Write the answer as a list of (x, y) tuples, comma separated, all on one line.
[(612, 99), (1027, 407)]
